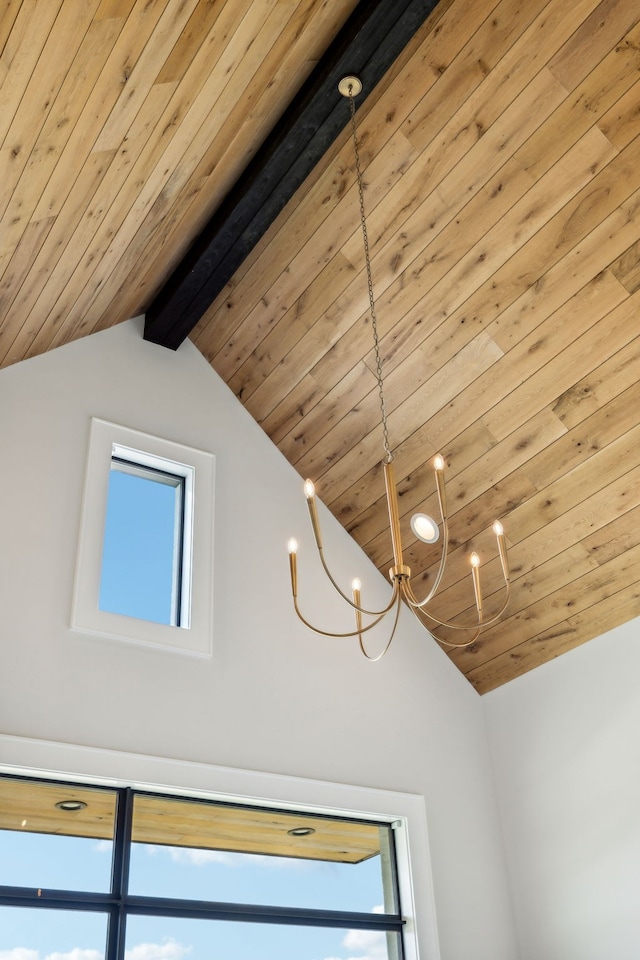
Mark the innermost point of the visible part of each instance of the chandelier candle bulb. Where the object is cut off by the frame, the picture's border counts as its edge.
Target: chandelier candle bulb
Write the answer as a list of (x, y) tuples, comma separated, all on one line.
[(355, 587), (498, 529), (438, 465), (475, 575), (310, 494), (293, 567)]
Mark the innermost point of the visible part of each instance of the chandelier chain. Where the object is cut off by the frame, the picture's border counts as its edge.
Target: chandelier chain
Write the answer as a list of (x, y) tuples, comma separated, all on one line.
[(367, 258)]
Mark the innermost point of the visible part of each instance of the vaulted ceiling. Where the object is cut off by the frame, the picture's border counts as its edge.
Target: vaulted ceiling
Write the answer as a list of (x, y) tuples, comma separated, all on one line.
[(186, 158)]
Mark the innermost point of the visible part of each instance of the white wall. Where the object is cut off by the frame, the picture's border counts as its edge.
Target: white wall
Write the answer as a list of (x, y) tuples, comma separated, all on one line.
[(566, 744), (273, 698)]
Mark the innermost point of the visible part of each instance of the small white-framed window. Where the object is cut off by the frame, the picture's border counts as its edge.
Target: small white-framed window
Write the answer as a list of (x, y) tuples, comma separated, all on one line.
[(145, 565)]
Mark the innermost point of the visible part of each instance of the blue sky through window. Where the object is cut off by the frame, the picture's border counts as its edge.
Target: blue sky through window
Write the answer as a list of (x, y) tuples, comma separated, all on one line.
[(138, 567), (26, 934)]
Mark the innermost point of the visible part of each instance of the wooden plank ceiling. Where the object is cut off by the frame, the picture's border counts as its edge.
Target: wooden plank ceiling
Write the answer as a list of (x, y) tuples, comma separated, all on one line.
[(501, 154)]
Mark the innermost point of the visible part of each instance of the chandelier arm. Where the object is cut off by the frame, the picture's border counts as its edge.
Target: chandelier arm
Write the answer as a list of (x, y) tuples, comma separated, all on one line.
[(357, 607), (477, 628), (459, 626), (394, 513), (496, 616), (317, 535), (380, 655), (351, 633), (462, 643)]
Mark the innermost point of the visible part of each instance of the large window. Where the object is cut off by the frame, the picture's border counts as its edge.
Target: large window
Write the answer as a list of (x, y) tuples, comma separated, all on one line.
[(89, 873)]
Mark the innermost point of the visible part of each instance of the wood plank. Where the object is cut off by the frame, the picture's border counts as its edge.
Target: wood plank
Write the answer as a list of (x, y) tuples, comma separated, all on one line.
[(619, 124), (594, 100), (10, 11), (609, 422), (201, 23), (38, 99), (600, 386), (611, 612), (608, 335), (593, 39), (619, 535), (18, 303), (627, 267), (23, 259), (20, 54)]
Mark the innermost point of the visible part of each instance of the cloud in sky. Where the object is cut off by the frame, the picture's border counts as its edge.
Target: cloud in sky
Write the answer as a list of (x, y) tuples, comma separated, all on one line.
[(76, 954), (19, 953), (24, 953), (365, 944), (371, 943), (197, 857), (169, 950)]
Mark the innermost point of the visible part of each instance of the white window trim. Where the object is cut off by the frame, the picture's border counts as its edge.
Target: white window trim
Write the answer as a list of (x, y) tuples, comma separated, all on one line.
[(22, 756), (194, 636)]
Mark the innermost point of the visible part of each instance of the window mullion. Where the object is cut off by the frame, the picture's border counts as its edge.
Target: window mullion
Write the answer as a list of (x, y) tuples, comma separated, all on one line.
[(116, 932), (257, 913)]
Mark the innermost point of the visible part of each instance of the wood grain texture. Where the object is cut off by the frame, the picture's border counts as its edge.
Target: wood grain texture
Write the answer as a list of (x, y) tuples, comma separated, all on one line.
[(501, 159), (31, 807)]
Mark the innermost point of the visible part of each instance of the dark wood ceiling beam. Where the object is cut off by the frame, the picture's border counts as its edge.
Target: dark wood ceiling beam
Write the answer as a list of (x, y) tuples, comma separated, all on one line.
[(370, 41)]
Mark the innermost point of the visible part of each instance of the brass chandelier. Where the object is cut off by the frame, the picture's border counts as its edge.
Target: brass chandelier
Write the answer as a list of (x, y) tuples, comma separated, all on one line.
[(422, 525)]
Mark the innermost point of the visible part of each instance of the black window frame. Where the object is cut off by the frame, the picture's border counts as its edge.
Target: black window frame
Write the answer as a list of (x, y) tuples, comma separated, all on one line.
[(118, 903)]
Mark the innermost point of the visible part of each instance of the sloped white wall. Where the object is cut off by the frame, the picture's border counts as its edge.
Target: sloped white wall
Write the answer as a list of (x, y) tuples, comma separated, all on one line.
[(566, 743), (273, 698)]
